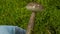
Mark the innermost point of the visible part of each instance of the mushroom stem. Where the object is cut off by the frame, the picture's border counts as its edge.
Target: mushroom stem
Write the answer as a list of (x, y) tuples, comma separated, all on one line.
[(31, 23)]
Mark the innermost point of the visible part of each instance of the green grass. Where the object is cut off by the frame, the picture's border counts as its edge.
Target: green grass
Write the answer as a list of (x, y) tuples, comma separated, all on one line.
[(13, 12)]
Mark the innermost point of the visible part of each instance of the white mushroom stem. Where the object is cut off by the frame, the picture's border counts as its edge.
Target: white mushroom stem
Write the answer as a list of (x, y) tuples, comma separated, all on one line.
[(31, 23)]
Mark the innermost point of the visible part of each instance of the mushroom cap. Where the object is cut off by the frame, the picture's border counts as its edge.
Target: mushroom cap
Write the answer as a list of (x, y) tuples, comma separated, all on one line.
[(34, 6)]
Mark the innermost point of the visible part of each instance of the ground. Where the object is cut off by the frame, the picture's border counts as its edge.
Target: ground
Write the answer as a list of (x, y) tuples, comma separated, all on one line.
[(13, 12)]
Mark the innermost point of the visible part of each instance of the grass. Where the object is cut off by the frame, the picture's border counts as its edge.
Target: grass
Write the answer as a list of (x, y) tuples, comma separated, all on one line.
[(13, 12)]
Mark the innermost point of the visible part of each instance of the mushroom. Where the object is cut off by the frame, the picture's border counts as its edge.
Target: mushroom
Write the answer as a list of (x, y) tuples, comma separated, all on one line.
[(34, 7)]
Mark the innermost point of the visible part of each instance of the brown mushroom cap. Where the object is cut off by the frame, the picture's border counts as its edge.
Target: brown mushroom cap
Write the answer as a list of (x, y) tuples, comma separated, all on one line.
[(34, 6)]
